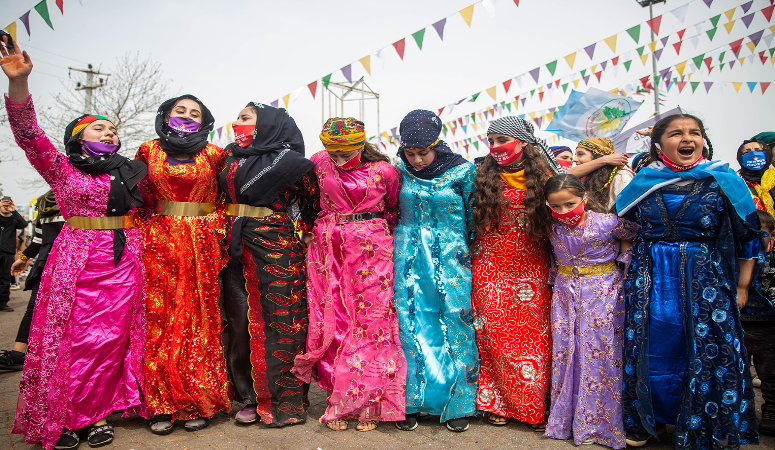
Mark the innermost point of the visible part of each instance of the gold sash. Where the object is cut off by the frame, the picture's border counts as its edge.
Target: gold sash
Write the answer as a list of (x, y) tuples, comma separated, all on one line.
[(239, 209), (183, 209), (585, 271), (102, 223)]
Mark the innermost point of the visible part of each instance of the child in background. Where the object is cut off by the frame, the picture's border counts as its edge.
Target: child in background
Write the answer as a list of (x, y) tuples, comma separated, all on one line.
[(757, 317), (592, 250)]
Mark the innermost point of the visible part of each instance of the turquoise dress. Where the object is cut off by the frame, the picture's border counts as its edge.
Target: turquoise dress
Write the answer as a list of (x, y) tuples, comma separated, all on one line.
[(433, 292)]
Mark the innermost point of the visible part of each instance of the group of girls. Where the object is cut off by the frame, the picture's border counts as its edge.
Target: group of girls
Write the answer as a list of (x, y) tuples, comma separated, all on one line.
[(420, 289)]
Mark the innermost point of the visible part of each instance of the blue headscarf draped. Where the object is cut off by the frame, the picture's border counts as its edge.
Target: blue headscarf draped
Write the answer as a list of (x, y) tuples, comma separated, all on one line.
[(657, 175)]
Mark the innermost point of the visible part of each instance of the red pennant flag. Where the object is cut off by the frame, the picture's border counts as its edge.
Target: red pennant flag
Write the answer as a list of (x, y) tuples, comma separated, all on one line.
[(516, 99), (654, 24), (557, 83), (681, 34), (707, 61), (441, 109), (313, 87), (735, 46), (681, 85), (763, 57), (453, 130), (764, 85), (615, 61), (400, 45), (61, 5), (644, 81), (460, 121), (517, 2), (507, 85), (677, 47), (384, 146), (768, 12), (540, 96), (598, 76)]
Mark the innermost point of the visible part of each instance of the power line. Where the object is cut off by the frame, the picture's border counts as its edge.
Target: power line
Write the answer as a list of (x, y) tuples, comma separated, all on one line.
[(56, 54), (50, 64), (55, 76)]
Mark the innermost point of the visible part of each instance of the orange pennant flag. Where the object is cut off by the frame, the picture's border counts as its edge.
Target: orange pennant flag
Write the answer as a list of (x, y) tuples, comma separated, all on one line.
[(468, 14)]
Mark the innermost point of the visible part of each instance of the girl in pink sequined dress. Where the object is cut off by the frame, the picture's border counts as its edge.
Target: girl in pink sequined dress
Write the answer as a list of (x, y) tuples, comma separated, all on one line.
[(85, 356)]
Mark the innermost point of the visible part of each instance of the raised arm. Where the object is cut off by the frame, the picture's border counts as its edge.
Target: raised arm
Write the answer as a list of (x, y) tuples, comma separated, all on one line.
[(615, 159)]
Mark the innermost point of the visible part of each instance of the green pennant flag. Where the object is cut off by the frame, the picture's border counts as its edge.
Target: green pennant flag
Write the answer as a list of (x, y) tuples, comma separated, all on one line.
[(212, 134), (476, 144), (698, 60), (772, 52), (473, 117), (721, 56), (721, 67), (714, 20), (711, 33), (583, 72), (418, 37), (656, 80), (532, 92), (503, 104), (326, 80), (444, 129), (694, 85), (564, 87), (474, 97), (552, 66), (42, 9), (640, 50), (627, 65), (508, 106), (634, 33)]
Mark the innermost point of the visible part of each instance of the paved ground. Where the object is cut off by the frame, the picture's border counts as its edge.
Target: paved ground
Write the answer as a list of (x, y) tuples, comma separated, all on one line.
[(224, 433)]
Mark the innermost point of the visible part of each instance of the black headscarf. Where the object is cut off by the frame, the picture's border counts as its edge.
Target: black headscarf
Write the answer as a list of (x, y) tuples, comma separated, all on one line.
[(754, 176), (125, 176), (269, 165), (191, 144), (421, 129)]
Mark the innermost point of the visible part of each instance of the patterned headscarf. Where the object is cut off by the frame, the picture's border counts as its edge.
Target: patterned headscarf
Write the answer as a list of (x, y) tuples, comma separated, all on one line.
[(601, 146), (85, 121), (343, 134), (419, 130), (560, 149), (519, 129), (768, 137)]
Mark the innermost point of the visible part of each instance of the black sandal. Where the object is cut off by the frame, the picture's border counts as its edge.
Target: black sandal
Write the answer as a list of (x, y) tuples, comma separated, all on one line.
[(100, 436), (161, 424), (69, 440)]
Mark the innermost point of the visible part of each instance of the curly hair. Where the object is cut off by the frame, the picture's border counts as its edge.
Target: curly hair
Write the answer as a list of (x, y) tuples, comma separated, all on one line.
[(661, 126), (572, 184), (488, 195), (595, 182)]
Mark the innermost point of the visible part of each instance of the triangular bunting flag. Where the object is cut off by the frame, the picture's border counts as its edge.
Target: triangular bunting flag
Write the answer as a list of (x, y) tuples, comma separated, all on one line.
[(570, 59), (586, 79), (729, 26), (634, 33), (751, 46), (467, 14), (474, 97), (681, 85), (698, 60), (752, 85), (653, 46), (326, 80), (708, 84), (507, 85), (707, 2), (680, 68), (694, 85), (658, 53), (611, 42), (654, 24), (491, 92), (737, 86), (756, 37), (347, 72), (583, 72), (286, 97), (590, 49), (439, 27), (640, 50), (735, 46), (400, 45), (768, 12), (418, 37), (644, 58), (746, 6), (747, 20), (534, 73), (730, 14), (564, 87), (681, 33), (552, 66), (42, 9), (764, 85), (598, 74), (575, 84), (615, 60), (61, 6), (680, 12), (366, 63), (11, 29), (627, 65), (540, 96), (714, 20), (313, 87), (25, 18), (677, 47)]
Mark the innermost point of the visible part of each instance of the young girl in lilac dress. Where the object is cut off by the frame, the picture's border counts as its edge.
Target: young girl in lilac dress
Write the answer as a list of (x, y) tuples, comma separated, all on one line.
[(591, 251)]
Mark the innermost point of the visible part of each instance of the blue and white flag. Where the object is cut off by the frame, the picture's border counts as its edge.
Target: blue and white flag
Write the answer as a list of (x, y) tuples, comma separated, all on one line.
[(594, 113), (633, 143)]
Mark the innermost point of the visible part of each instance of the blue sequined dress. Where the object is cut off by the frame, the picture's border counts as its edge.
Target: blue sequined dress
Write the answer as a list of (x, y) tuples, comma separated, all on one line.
[(433, 292), (684, 359)]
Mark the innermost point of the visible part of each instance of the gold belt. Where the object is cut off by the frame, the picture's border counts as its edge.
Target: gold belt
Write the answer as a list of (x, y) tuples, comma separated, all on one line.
[(585, 271), (238, 209), (102, 223), (184, 209)]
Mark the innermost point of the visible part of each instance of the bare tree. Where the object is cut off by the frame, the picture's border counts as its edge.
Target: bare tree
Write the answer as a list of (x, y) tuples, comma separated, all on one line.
[(130, 99)]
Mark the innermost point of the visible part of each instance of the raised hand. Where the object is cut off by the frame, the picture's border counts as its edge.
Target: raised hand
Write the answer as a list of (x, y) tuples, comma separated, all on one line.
[(15, 62)]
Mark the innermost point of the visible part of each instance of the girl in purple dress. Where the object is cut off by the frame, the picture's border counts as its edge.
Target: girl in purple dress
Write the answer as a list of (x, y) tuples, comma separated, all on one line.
[(591, 251)]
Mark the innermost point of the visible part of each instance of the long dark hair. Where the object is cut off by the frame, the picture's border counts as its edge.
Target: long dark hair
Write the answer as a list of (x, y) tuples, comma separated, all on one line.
[(371, 154), (661, 126), (489, 199), (572, 184), (595, 182)]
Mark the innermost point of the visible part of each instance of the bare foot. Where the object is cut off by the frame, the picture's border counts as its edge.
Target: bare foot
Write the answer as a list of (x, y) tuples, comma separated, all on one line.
[(367, 426), (496, 419), (337, 425)]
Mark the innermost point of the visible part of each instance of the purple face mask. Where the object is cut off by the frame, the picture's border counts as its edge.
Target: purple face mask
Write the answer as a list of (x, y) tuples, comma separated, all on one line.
[(182, 126), (98, 148)]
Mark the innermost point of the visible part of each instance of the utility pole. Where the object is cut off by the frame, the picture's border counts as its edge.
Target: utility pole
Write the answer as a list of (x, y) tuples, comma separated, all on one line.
[(89, 87), (650, 4)]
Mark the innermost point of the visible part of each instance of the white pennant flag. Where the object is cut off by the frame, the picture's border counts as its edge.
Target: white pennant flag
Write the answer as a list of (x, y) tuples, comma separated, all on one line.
[(768, 39), (680, 12), (297, 92), (520, 79), (465, 119), (700, 27), (695, 41), (489, 6), (615, 70), (381, 56)]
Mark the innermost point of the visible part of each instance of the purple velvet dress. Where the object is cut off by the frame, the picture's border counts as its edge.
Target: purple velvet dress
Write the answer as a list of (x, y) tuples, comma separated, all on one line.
[(587, 331), (85, 356)]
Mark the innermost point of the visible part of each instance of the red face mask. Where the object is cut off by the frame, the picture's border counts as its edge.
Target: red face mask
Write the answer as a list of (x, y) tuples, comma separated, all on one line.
[(565, 164), (351, 163), (675, 167), (243, 134), (506, 154), (573, 217)]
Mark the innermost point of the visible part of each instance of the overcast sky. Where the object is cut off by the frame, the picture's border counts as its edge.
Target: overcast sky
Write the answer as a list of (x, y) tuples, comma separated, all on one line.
[(230, 52)]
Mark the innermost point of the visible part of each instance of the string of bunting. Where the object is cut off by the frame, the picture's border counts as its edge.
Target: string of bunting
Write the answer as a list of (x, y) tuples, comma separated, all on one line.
[(42, 9)]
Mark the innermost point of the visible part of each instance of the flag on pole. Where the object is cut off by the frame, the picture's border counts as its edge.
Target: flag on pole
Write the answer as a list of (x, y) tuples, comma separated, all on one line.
[(594, 113)]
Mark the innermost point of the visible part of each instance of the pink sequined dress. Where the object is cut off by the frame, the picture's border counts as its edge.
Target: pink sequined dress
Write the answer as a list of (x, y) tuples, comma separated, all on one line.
[(85, 355), (353, 347)]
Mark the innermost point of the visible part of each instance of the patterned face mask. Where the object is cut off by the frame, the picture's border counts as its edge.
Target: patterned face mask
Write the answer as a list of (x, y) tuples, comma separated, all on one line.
[(243, 134), (573, 217)]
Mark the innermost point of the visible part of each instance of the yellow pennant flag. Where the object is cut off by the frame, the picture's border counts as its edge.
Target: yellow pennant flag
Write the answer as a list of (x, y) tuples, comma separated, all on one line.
[(491, 92), (740, 60), (540, 88), (592, 69), (570, 59), (772, 60), (772, 28), (228, 128), (752, 46), (729, 26), (11, 29), (737, 86), (385, 135), (532, 115), (516, 104), (730, 13), (468, 14), (680, 68), (474, 125), (689, 77), (576, 83), (644, 58), (480, 116), (366, 62), (653, 46), (549, 117), (286, 97), (611, 42)]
